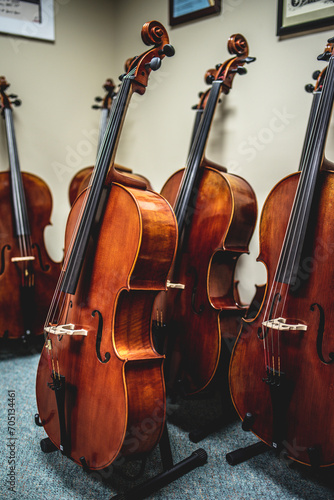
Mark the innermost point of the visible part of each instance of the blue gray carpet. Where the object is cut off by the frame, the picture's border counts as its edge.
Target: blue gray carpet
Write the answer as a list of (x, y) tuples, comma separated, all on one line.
[(52, 476)]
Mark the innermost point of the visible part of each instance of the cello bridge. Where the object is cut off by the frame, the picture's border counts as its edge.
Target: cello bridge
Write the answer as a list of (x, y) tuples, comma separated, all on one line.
[(68, 329), (175, 285), (282, 324), (22, 259)]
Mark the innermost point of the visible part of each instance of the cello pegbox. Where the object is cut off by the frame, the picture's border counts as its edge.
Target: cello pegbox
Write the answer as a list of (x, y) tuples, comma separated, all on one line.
[(153, 33), (238, 46)]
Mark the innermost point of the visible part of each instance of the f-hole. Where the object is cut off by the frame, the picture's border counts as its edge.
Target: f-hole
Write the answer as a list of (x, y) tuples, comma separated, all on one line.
[(320, 336), (99, 338), (6, 247)]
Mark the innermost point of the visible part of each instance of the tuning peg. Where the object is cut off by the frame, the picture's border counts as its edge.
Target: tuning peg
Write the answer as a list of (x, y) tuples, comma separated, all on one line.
[(315, 75), (95, 106), (309, 88), (248, 60), (194, 106), (241, 70), (17, 102), (324, 57), (331, 40), (209, 79), (168, 50), (98, 99), (218, 66), (12, 96), (154, 64)]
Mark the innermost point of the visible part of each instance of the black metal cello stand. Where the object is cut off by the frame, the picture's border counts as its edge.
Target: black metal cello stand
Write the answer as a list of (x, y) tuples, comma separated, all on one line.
[(170, 473), (242, 454)]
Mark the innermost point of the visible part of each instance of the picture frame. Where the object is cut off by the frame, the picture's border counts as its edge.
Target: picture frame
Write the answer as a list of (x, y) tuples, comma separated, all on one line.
[(182, 11), (296, 16), (15, 18)]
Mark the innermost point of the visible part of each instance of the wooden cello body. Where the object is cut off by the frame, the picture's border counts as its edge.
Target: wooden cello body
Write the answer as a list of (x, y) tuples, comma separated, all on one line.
[(216, 214), (100, 388), (282, 365), (205, 313), (113, 375), (28, 275)]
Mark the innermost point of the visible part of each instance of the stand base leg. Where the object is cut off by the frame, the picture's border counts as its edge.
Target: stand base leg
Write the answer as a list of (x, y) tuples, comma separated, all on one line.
[(47, 446), (242, 454), (197, 458)]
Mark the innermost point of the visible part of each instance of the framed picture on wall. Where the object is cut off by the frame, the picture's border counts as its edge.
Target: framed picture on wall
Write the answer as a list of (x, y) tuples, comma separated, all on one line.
[(28, 18), (294, 16), (182, 11)]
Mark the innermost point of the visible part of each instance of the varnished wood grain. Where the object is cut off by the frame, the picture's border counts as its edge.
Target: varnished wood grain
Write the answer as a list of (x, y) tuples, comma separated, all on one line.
[(108, 404), (308, 418), (39, 206)]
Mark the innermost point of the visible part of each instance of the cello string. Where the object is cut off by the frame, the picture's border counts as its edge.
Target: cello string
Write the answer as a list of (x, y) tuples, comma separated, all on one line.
[(303, 193), (195, 155), (306, 185), (101, 160), (17, 195), (191, 164), (108, 119)]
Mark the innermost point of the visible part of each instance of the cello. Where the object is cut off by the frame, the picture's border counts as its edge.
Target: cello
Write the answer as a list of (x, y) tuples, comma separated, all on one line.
[(216, 213), (282, 364), (99, 379), (82, 178), (28, 275)]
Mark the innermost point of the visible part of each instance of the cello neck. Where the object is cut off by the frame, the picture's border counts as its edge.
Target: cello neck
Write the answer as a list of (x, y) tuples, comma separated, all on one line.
[(19, 202), (311, 162), (105, 157), (314, 107), (135, 80), (182, 205), (198, 118)]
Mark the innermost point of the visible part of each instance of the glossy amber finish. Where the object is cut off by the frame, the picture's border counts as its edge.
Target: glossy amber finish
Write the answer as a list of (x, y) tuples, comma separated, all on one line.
[(306, 414), (45, 270), (123, 271), (123, 248), (81, 180), (206, 312)]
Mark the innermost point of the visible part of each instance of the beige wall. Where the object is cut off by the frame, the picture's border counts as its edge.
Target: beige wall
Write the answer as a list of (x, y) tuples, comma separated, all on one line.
[(257, 131), (57, 83)]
